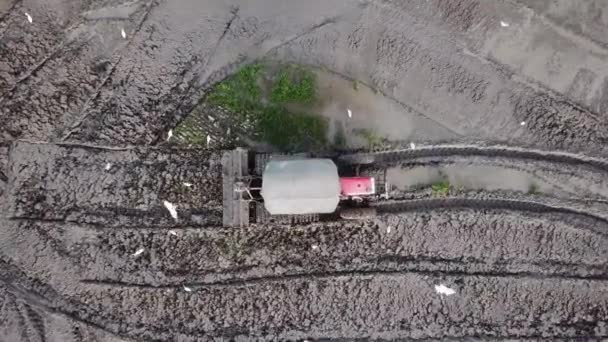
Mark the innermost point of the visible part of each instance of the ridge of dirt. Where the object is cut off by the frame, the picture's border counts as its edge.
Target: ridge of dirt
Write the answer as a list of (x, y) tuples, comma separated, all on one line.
[(89, 252)]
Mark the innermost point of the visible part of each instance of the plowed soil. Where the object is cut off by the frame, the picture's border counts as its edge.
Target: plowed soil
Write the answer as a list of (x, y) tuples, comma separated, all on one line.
[(89, 252)]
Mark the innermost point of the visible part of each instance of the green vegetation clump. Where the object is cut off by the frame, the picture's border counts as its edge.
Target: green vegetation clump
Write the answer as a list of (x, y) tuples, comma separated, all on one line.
[(239, 93), (441, 188), (262, 100), (291, 131), (293, 85), (533, 189)]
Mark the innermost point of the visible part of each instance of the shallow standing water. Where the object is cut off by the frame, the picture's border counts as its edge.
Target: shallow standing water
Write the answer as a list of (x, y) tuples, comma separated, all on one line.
[(371, 111), (469, 177)]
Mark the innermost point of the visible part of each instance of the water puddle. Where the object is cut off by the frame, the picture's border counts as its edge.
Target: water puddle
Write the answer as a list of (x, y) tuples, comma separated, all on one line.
[(468, 177), (374, 116)]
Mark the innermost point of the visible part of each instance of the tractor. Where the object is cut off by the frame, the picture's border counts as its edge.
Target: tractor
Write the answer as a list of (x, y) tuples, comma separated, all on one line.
[(295, 189)]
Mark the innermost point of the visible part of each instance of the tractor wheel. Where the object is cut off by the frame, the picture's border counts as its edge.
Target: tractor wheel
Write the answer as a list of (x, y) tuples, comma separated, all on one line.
[(358, 159), (358, 213)]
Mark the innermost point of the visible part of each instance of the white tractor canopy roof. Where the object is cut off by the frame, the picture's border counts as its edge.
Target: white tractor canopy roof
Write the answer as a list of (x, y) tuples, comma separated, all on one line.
[(306, 186)]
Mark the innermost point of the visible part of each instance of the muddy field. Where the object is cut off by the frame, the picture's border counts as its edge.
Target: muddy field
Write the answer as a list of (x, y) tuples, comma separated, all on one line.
[(89, 251)]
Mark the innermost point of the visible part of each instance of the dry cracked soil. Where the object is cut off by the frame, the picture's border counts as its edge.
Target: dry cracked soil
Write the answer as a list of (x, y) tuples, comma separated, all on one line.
[(88, 252)]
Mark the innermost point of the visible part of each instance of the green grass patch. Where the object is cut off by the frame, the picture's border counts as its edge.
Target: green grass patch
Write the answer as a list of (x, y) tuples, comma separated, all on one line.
[(291, 131), (239, 93), (261, 95), (441, 188), (293, 84)]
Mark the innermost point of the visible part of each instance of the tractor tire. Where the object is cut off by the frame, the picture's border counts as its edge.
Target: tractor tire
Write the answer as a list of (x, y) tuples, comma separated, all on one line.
[(358, 213), (358, 159)]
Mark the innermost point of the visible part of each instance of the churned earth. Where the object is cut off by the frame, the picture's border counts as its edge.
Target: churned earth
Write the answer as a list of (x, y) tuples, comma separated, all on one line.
[(89, 251)]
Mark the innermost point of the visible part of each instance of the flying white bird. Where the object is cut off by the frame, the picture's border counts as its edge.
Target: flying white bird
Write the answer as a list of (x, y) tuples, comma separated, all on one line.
[(314, 247), (186, 184), (444, 290), (123, 33), (523, 123), (171, 209), (29, 17), (138, 252), (187, 289), (170, 134), (504, 24), (350, 113), (172, 232)]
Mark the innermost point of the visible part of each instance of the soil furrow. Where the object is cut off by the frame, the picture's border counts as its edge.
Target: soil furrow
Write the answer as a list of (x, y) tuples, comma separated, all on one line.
[(350, 274), (379, 299), (89, 250), (114, 187), (397, 206), (405, 241), (394, 157)]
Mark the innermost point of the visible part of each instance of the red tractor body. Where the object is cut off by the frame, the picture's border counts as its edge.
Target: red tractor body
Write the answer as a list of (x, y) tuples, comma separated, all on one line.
[(357, 186)]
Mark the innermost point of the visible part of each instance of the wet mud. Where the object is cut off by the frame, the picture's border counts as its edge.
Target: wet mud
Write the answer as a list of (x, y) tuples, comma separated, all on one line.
[(89, 252), (114, 187)]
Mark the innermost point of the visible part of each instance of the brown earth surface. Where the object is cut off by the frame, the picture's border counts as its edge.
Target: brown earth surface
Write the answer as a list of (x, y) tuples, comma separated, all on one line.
[(88, 251)]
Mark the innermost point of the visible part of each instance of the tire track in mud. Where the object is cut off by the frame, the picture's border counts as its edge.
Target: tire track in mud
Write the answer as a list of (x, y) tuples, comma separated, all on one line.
[(437, 272), (472, 24), (591, 32), (141, 114), (418, 62), (6, 10), (62, 84), (201, 67), (399, 206), (3, 162), (183, 323), (33, 310), (389, 306), (246, 36), (193, 100), (395, 243), (99, 157), (107, 187), (34, 269), (17, 314), (557, 25), (384, 158), (353, 307), (25, 46), (67, 130), (575, 175)]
